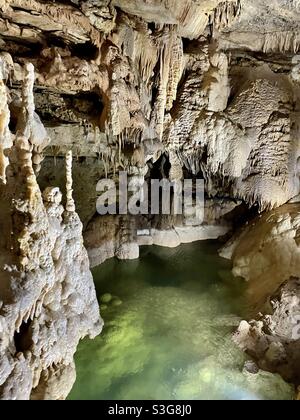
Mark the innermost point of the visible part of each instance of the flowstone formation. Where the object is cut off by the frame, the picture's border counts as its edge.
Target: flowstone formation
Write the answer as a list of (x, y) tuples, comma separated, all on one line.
[(160, 89)]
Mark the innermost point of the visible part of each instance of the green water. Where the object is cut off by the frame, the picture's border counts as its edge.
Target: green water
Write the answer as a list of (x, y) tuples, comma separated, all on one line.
[(171, 336)]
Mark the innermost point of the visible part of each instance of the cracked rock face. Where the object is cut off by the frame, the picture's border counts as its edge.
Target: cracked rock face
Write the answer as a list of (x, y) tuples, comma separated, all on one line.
[(206, 89)]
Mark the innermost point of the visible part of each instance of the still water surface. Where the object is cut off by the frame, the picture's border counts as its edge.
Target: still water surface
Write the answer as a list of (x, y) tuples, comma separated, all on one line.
[(170, 338)]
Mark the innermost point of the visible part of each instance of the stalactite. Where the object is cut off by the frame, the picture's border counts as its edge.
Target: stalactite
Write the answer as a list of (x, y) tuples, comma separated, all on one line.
[(70, 205), (146, 55), (225, 14), (286, 41), (168, 38), (176, 70)]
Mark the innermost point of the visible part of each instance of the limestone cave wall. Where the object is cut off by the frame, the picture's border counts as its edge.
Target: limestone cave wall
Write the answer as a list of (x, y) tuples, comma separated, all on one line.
[(209, 87)]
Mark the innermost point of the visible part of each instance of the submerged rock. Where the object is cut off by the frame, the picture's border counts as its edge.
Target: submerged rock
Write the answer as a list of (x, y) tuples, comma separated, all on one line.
[(106, 298), (251, 367), (116, 302)]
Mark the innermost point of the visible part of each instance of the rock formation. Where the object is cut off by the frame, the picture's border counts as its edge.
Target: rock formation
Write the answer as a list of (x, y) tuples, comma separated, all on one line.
[(160, 89), (266, 254), (274, 340), (48, 302)]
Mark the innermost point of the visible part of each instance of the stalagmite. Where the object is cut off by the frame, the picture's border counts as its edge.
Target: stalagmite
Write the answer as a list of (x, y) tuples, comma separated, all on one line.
[(24, 133), (36, 261), (5, 135), (70, 206)]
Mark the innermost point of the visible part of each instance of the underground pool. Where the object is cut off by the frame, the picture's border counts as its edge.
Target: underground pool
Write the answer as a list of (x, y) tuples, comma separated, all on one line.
[(169, 319)]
